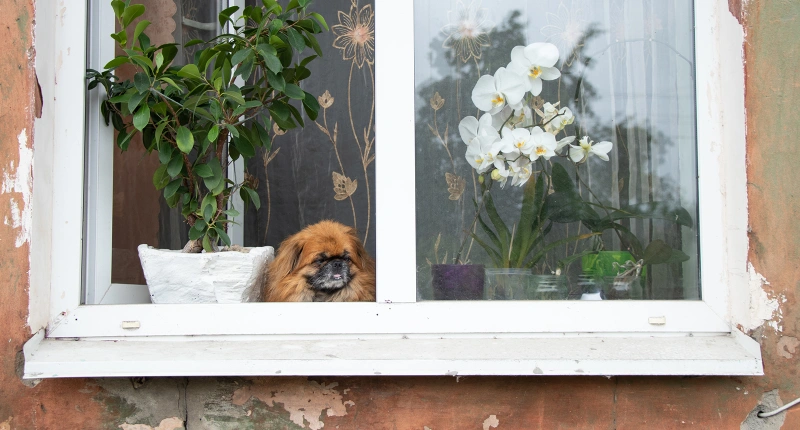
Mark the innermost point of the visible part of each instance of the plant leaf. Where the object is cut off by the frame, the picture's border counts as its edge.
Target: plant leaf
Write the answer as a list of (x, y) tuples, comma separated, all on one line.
[(141, 118), (185, 139)]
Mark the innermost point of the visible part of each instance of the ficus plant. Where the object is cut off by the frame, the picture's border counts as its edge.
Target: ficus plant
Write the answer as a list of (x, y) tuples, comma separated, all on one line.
[(201, 116)]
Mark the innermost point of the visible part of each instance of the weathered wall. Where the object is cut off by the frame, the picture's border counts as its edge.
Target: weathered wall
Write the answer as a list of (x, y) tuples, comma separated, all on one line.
[(773, 92)]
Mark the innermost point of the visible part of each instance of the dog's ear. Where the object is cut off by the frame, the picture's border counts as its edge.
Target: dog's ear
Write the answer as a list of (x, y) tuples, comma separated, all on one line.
[(363, 256), (287, 258)]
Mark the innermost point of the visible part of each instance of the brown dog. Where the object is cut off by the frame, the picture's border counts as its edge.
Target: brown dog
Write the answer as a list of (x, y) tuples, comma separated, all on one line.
[(325, 262)]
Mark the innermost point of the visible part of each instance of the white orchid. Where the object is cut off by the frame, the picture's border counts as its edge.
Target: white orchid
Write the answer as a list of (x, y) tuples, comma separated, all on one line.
[(509, 117), (520, 170), (586, 147), (492, 93), (470, 128), (516, 142), (564, 142), (543, 144), (535, 63), (483, 153), (555, 119)]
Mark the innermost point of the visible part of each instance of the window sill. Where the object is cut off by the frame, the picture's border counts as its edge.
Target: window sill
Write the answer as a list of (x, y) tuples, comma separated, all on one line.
[(732, 354)]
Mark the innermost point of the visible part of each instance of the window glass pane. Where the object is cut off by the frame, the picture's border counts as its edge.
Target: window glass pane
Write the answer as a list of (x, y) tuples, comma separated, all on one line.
[(325, 170), (506, 93), (141, 215)]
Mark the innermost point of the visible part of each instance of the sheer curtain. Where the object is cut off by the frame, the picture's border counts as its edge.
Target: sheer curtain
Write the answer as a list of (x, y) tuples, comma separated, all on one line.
[(627, 74)]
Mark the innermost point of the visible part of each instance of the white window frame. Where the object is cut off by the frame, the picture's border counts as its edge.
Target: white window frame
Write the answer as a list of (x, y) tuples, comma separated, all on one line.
[(395, 335)]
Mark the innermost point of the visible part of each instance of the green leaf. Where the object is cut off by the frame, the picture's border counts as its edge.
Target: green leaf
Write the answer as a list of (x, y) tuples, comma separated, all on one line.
[(185, 140), (189, 71), (294, 92), (160, 177), (213, 133), (655, 210), (293, 4), (225, 15), (208, 207), (119, 7), (276, 81), (160, 133), (116, 62), (135, 100), (567, 207), (222, 235), (272, 61), (123, 139), (253, 196), (140, 27), (275, 26), (203, 171), (172, 188), (502, 230), (295, 39), (561, 180), (165, 153), (195, 234), (141, 82), (170, 82), (234, 96), (200, 225), (193, 42), (245, 69), (121, 37), (303, 3), (159, 59), (538, 256), (213, 181), (170, 51), (245, 147), (658, 252), (207, 244), (175, 165), (320, 20), (240, 56), (311, 106), (312, 41), (529, 219), (141, 118), (131, 12)]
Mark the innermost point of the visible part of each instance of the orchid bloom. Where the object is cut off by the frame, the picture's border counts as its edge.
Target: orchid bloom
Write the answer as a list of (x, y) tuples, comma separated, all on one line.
[(492, 93), (484, 152), (521, 169), (517, 141), (586, 147), (564, 142), (555, 119), (535, 63), (544, 144), (470, 128), (522, 116)]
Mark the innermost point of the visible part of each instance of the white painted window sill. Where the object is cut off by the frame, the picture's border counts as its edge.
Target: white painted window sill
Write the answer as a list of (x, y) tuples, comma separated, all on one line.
[(733, 354)]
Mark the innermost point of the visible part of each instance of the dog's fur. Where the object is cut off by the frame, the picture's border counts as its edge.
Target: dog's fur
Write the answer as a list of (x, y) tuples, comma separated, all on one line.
[(325, 262)]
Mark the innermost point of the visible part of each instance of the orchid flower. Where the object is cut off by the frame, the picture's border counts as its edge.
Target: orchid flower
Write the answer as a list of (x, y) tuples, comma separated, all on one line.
[(535, 63), (522, 116), (586, 147), (564, 142), (517, 141), (484, 152), (521, 170), (543, 144), (470, 128), (492, 93)]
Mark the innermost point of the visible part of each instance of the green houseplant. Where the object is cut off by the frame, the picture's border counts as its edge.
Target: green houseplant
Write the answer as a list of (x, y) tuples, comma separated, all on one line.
[(201, 116)]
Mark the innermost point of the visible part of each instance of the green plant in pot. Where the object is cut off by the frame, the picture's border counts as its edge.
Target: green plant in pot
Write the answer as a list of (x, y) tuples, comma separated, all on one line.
[(615, 269), (201, 116)]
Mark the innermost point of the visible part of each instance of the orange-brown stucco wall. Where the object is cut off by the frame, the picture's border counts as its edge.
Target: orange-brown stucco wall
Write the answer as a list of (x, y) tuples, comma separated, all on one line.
[(773, 124)]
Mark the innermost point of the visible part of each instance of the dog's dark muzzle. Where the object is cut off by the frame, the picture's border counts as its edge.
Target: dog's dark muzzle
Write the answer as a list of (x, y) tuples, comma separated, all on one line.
[(335, 274)]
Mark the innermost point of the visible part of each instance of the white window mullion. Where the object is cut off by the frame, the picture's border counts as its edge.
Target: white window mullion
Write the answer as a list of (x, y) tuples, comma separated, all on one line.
[(394, 154)]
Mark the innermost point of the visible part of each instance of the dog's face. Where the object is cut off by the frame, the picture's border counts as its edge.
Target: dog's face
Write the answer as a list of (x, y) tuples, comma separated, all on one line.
[(323, 262)]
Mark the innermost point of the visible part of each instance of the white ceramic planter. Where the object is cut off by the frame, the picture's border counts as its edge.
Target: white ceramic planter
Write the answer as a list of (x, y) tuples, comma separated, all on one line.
[(219, 277)]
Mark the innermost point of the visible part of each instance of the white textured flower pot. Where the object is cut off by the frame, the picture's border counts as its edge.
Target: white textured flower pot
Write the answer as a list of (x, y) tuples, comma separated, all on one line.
[(218, 277)]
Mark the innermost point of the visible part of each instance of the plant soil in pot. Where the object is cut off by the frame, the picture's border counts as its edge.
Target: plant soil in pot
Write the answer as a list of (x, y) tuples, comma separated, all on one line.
[(457, 281), (209, 277)]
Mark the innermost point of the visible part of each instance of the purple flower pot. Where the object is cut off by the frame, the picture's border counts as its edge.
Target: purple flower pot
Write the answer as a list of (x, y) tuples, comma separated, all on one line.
[(457, 281)]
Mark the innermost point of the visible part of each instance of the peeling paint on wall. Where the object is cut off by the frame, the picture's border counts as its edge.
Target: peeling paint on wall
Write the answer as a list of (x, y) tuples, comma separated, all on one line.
[(491, 422), (305, 400), (763, 308), (787, 346), (19, 179), (173, 423)]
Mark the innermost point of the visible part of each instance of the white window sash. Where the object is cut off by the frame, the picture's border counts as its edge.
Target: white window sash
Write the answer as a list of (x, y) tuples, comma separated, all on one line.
[(722, 222)]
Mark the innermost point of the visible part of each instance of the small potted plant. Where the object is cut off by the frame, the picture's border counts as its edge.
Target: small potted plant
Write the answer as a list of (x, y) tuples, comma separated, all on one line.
[(198, 118)]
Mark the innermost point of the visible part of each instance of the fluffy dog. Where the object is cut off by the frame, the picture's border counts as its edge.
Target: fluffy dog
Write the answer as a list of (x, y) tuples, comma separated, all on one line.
[(325, 262)]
